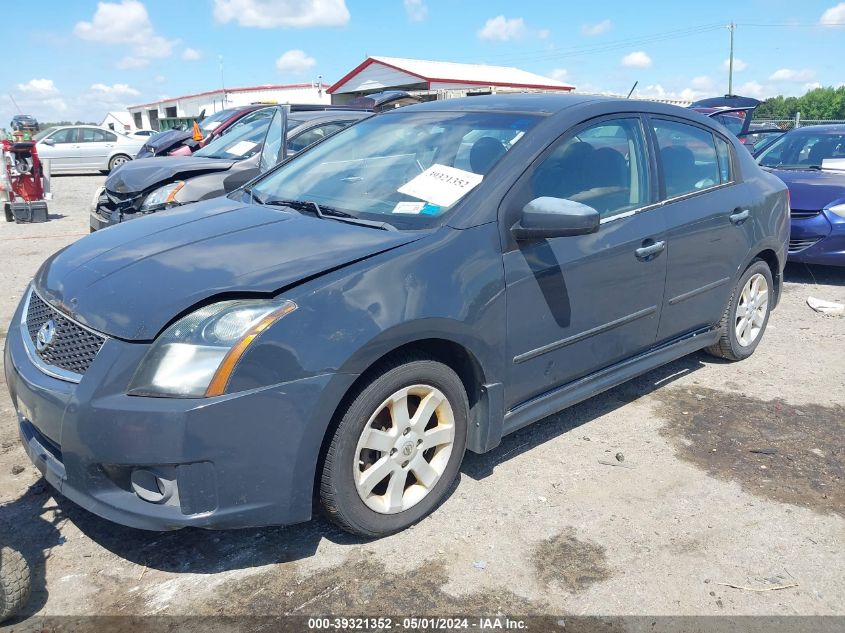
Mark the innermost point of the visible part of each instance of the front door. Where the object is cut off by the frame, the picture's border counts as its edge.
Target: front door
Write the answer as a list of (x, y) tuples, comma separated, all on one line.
[(578, 304), (61, 153), (710, 224)]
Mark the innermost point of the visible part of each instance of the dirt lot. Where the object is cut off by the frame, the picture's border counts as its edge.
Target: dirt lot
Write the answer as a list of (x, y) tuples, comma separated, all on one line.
[(732, 475)]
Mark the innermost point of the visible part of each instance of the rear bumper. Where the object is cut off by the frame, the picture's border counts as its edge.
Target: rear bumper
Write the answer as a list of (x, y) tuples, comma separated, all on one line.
[(239, 460)]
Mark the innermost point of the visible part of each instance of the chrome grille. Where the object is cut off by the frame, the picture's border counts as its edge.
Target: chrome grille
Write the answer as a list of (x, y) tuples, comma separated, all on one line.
[(803, 214), (800, 245), (73, 347)]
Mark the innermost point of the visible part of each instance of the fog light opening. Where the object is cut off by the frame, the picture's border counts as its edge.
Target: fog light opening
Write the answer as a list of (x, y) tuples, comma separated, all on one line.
[(150, 487)]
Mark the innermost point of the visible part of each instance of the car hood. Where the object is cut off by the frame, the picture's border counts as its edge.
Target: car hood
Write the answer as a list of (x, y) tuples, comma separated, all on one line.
[(164, 140), (129, 281), (139, 175), (812, 190)]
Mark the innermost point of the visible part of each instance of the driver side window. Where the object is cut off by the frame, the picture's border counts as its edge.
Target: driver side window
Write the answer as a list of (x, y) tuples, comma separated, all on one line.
[(603, 166)]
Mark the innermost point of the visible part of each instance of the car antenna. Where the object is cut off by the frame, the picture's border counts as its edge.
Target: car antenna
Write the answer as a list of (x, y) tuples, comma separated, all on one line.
[(634, 87)]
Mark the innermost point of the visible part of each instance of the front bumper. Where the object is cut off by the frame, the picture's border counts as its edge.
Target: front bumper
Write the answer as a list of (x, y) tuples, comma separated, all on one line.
[(819, 239), (238, 460)]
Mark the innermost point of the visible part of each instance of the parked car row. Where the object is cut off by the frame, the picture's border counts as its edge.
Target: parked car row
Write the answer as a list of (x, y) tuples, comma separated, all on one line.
[(421, 282), (249, 147)]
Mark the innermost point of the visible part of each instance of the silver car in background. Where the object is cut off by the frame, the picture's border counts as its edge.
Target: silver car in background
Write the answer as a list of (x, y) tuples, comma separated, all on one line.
[(85, 147)]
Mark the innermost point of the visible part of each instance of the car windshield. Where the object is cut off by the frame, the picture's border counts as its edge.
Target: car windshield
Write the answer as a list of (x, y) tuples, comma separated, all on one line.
[(241, 142), (803, 150), (212, 121), (43, 133), (401, 168)]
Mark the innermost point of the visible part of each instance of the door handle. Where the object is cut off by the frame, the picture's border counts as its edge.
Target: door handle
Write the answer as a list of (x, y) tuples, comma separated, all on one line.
[(740, 215), (650, 251)]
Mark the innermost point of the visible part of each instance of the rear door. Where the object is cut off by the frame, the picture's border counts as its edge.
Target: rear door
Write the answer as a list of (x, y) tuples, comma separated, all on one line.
[(578, 304), (709, 220), (95, 145)]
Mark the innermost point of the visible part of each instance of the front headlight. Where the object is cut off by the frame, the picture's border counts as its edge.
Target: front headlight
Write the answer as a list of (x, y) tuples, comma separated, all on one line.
[(162, 196), (195, 356), (838, 209), (96, 201)]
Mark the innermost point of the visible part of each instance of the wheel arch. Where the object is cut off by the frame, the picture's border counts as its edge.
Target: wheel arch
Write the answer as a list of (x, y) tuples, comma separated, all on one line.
[(484, 398), (775, 265)]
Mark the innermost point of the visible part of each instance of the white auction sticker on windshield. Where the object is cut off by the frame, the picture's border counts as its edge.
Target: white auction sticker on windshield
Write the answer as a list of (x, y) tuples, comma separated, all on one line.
[(241, 148), (408, 207), (441, 184)]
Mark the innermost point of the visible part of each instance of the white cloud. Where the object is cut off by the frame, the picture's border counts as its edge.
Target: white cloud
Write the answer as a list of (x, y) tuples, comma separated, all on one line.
[(657, 91), (41, 94), (561, 74), (637, 59), (754, 89), (416, 9), (270, 14), (834, 16), (39, 87), (295, 61), (117, 90), (788, 74), (702, 83), (739, 65), (502, 29), (191, 54), (813, 85), (127, 24), (596, 29)]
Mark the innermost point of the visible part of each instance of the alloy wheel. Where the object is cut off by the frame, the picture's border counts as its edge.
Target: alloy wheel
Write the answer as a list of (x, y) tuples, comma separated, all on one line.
[(404, 449), (751, 310)]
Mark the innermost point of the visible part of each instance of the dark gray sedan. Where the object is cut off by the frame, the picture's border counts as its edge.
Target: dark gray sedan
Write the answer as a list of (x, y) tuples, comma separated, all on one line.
[(423, 282), (247, 149)]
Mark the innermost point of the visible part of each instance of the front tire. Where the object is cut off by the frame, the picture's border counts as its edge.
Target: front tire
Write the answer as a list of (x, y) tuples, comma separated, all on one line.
[(397, 449), (746, 315)]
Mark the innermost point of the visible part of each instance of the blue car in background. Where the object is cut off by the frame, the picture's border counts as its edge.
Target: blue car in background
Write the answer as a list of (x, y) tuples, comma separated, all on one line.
[(811, 161)]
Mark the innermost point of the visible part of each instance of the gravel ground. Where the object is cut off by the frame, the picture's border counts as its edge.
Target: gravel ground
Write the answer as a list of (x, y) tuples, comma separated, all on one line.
[(732, 475)]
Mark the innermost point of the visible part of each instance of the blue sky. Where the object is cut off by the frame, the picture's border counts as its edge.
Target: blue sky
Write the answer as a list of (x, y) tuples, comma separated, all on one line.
[(80, 59)]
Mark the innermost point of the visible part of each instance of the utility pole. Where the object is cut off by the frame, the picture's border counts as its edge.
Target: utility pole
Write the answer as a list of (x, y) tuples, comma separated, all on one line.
[(731, 28), (222, 83)]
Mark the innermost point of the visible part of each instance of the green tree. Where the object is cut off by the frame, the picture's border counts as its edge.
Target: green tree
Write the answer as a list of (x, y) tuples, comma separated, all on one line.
[(820, 103)]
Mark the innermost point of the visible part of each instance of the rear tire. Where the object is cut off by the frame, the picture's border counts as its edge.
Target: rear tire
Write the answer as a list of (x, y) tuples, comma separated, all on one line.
[(117, 160), (746, 315), (14, 583), (397, 449)]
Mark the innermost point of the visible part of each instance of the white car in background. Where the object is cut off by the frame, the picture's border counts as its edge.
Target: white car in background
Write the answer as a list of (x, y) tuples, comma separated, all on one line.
[(85, 147), (142, 134)]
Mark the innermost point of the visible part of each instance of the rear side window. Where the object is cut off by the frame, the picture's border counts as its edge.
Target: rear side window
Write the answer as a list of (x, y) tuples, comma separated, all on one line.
[(723, 151), (90, 135), (309, 137), (688, 156), (603, 166)]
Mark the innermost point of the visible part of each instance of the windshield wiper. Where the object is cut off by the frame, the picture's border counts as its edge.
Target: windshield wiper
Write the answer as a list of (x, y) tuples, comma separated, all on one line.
[(325, 212)]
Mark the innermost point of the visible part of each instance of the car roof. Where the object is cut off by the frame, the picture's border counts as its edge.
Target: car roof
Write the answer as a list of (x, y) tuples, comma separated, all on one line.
[(539, 103), (330, 115), (831, 128), (548, 104)]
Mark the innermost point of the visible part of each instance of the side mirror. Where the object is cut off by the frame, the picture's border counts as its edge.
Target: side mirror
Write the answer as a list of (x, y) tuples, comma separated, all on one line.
[(555, 217), (49, 141)]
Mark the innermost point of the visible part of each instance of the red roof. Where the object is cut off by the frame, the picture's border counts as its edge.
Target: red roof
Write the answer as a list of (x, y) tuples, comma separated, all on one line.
[(430, 72)]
